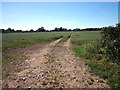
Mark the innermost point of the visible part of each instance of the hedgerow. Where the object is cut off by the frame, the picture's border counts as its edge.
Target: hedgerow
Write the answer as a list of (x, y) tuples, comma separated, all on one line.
[(111, 42)]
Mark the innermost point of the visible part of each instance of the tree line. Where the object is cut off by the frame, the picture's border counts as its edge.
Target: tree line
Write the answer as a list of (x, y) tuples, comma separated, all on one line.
[(42, 29)]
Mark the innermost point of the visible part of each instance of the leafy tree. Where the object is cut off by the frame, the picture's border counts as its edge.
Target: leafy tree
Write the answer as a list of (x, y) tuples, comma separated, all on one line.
[(31, 30), (41, 29), (9, 30)]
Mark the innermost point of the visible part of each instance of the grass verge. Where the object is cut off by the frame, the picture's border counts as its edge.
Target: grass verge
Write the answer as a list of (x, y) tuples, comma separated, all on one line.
[(99, 66)]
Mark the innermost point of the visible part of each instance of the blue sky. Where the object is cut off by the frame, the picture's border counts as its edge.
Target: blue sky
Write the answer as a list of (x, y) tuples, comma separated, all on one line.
[(32, 15)]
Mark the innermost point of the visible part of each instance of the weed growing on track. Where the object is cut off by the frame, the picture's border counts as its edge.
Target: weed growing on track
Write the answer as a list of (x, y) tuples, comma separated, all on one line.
[(90, 82)]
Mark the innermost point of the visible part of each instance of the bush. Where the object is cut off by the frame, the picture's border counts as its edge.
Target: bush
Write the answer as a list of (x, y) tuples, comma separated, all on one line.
[(111, 42)]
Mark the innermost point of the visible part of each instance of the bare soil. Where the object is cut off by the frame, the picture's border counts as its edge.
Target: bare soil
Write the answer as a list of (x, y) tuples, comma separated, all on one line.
[(52, 65)]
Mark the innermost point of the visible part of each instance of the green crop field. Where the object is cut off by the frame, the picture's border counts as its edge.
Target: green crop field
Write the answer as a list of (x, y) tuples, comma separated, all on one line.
[(20, 40), (79, 38)]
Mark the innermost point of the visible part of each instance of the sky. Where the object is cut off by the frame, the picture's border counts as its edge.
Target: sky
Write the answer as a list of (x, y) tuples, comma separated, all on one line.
[(70, 15)]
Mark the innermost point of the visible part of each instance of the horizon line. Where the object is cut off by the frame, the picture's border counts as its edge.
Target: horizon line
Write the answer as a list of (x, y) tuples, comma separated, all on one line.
[(58, 27)]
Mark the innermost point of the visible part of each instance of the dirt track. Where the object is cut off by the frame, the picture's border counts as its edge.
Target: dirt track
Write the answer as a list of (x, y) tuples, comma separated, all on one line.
[(53, 66)]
